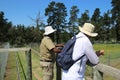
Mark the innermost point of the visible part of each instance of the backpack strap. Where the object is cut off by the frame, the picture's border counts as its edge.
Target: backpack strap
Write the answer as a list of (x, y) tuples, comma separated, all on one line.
[(80, 57), (75, 37)]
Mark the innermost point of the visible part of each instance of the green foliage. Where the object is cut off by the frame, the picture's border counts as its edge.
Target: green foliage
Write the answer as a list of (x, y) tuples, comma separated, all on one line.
[(73, 20), (97, 21), (84, 17), (116, 17), (4, 28), (107, 25), (56, 13)]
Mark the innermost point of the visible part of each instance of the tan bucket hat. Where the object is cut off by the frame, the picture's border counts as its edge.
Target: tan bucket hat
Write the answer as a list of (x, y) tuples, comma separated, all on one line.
[(88, 29), (49, 30)]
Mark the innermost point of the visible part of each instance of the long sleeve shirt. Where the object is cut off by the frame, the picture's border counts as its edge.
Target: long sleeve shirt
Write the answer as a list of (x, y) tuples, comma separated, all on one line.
[(77, 70)]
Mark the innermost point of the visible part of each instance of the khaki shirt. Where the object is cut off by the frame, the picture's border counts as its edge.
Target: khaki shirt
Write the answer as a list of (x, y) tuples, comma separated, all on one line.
[(45, 49)]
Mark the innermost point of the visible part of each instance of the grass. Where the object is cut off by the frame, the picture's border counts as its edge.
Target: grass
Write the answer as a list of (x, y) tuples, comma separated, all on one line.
[(111, 57), (11, 73), (35, 65), (11, 68), (111, 52)]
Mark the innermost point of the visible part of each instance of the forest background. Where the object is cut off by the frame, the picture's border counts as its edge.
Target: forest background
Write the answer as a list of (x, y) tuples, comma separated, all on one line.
[(107, 25)]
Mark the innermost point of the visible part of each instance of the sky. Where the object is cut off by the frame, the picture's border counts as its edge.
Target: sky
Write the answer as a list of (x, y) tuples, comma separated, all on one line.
[(20, 11)]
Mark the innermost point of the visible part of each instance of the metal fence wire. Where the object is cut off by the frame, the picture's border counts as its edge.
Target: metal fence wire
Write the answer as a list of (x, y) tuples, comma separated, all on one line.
[(3, 60)]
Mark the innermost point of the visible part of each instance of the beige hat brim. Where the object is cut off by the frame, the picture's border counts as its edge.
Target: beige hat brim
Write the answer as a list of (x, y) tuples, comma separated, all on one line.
[(47, 33), (88, 33)]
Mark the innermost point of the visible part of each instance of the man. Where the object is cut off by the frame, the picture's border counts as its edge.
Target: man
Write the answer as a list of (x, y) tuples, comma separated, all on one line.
[(82, 46), (47, 53)]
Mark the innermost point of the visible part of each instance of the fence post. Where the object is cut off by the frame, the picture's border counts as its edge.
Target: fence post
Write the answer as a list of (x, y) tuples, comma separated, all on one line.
[(58, 73), (29, 65), (58, 69), (97, 75)]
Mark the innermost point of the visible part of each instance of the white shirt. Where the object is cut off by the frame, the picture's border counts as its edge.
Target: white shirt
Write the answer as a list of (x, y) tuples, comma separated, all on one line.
[(77, 70)]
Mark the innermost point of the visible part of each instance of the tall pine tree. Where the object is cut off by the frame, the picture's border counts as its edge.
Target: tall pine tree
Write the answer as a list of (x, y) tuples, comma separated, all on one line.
[(116, 17)]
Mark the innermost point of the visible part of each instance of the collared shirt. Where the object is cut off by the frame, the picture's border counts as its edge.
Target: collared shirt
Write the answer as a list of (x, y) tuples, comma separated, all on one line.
[(77, 70), (45, 49)]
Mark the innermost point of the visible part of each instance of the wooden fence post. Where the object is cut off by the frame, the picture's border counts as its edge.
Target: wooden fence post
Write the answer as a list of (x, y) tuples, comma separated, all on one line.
[(58, 73), (58, 69), (97, 75), (29, 65), (101, 69)]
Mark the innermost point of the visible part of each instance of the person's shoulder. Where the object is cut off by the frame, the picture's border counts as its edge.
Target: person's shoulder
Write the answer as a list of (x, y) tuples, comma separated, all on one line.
[(46, 37), (80, 34)]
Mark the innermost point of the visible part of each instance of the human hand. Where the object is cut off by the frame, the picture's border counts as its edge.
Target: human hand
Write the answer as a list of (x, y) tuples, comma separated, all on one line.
[(59, 45), (100, 52)]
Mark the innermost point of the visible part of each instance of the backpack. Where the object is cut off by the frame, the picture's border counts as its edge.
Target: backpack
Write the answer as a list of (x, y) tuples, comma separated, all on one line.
[(64, 59)]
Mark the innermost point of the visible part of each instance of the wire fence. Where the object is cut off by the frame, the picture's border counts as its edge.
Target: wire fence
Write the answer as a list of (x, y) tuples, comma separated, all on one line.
[(22, 68), (3, 60), (20, 65)]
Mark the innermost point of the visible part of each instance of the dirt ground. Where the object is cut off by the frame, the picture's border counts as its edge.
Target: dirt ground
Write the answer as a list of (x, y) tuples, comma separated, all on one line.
[(11, 70)]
